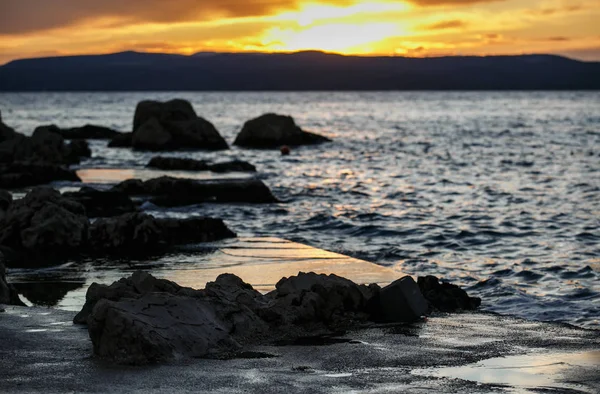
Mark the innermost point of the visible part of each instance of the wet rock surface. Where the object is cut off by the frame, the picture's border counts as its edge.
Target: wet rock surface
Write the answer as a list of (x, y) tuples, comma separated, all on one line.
[(142, 319), (272, 131), (142, 234), (174, 163), (102, 203), (169, 191), (446, 297), (23, 174), (172, 125)]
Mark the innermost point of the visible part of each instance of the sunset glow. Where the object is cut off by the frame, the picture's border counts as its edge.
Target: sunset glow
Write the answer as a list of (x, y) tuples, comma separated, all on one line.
[(31, 28)]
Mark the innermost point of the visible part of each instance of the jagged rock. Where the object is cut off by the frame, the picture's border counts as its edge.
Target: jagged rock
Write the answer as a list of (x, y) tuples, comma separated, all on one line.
[(23, 174), (6, 133), (181, 164), (173, 125), (400, 301), (121, 141), (141, 319), (5, 200), (99, 203), (89, 132), (138, 233), (44, 224), (273, 131), (446, 297), (169, 191), (78, 149), (8, 294)]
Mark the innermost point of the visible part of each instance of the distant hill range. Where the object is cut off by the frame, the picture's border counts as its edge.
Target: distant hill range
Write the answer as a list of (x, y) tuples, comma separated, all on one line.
[(134, 71)]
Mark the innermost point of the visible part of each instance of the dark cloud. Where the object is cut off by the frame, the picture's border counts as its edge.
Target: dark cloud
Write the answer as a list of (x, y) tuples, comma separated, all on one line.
[(558, 39), (443, 25), (22, 16)]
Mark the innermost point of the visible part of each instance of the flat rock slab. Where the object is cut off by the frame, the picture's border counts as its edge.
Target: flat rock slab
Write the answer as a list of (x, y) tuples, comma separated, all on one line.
[(41, 351), (262, 262)]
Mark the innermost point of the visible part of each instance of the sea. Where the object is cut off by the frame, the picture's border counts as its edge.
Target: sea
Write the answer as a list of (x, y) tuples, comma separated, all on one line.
[(498, 192)]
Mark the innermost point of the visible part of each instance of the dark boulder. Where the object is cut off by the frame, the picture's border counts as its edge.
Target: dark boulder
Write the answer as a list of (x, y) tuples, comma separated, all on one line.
[(173, 125), (8, 294), (44, 225), (173, 110), (400, 301), (89, 132), (6, 133), (121, 141), (446, 297), (169, 191), (77, 150), (6, 199), (99, 203), (141, 234), (272, 131), (23, 174), (181, 164)]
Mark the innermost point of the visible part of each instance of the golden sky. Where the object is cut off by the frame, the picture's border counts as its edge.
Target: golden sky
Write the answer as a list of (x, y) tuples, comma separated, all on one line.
[(31, 28)]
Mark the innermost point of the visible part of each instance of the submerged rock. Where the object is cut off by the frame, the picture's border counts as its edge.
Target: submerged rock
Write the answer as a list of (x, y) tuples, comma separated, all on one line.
[(89, 132), (446, 297), (141, 319), (44, 224), (181, 164), (141, 234), (23, 174), (172, 125), (99, 203), (169, 191), (273, 131)]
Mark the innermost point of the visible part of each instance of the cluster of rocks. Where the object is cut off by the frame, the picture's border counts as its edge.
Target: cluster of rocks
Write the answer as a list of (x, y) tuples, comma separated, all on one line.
[(142, 319), (174, 125), (45, 227), (41, 158), (8, 294)]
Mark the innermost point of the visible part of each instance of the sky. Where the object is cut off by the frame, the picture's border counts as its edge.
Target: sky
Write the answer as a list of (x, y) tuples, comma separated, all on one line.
[(417, 28)]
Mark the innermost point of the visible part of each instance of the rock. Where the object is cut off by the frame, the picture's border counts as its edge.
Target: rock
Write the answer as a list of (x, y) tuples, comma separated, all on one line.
[(23, 174), (151, 135), (400, 301), (173, 110), (169, 191), (121, 141), (232, 166), (6, 133), (89, 132), (44, 225), (173, 125), (446, 297), (180, 164), (8, 294), (141, 234), (102, 203), (46, 145), (273, 131), (141, 319)]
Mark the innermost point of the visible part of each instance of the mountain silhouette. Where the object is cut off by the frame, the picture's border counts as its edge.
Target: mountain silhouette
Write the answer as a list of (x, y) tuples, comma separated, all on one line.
[(311, 70)]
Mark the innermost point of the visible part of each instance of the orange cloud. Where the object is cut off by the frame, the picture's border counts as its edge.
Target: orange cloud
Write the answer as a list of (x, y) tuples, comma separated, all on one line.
[(443, 25)]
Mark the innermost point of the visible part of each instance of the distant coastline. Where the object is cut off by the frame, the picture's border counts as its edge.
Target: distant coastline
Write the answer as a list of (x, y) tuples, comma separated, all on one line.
[(301, 71)]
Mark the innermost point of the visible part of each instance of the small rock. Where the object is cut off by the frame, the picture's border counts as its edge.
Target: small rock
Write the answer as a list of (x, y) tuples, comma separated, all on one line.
[(99, 203), (446, 297)]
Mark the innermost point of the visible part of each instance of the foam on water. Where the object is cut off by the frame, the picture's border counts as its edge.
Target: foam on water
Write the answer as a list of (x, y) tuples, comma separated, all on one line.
[(497, 191)]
